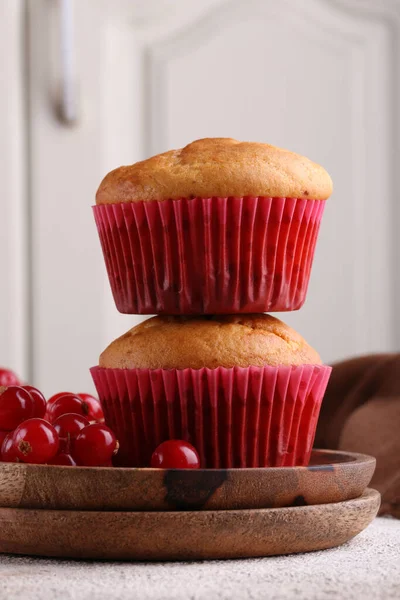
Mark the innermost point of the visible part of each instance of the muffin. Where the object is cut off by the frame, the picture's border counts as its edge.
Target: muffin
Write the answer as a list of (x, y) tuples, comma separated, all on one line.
[(244, 390), (217, 227)]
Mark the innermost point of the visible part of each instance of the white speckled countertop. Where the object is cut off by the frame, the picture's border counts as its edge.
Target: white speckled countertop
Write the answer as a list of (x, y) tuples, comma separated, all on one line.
[(366, 568)]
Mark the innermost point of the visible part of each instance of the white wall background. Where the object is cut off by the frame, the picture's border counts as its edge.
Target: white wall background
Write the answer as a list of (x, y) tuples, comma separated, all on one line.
[(320, 77)]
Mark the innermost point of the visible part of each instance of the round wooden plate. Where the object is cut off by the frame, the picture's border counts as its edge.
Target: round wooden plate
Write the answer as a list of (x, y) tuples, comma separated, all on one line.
[(330, 477), (187, 535)]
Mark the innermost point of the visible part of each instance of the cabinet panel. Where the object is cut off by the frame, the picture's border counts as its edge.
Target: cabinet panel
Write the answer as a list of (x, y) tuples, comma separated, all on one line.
[(317, 79)]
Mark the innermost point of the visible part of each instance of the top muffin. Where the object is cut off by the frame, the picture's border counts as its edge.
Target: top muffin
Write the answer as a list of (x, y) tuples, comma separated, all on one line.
[(217, 167), (218, 341)]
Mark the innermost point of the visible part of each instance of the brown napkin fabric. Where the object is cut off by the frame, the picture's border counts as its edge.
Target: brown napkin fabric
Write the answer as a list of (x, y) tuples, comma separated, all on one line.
[(361, 413)]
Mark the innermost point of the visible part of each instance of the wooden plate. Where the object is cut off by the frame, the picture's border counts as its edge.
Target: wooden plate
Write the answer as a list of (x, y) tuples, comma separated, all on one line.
[(331, 477), (184, 535)]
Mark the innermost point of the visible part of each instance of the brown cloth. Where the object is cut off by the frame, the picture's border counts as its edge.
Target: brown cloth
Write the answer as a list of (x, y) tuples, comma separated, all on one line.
[(361, 413)]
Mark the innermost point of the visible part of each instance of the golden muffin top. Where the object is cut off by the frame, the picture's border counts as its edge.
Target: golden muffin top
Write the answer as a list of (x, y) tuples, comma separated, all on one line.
[(178, 342), (219, 167)]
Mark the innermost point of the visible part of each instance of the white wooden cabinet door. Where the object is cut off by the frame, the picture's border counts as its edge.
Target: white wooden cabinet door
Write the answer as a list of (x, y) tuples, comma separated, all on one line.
[(320, 77)]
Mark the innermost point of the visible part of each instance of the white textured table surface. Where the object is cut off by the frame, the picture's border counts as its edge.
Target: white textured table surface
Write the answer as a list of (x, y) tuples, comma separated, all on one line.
[(365, 568)]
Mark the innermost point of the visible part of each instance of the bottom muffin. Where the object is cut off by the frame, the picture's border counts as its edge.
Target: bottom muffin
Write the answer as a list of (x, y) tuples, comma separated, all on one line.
[(244, 391)]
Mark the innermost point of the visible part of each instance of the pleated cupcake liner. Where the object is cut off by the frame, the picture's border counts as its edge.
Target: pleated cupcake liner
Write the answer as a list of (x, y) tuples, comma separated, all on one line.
[(238, 417), (209, 255)]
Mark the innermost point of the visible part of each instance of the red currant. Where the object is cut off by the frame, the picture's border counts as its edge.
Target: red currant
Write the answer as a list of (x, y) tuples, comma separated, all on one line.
[(16, 405), (94, 445), (175, 454), (3, 435), (68, 426), (63, 459), (54, 398), (8, 453), (95, 410), (64, 446), (39, 401), (35, 441), (67, 404), (8, 378)]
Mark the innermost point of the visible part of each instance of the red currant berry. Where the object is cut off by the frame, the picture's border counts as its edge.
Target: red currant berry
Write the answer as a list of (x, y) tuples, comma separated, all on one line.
[(3, 435), (68, 426), (8, 378), (64, 446), (39, 401), (35, 441), (16, 405), (54, 398), (65, 405), (94, 445), (175, 454), (63, 459), (8, 453), (95, 410)]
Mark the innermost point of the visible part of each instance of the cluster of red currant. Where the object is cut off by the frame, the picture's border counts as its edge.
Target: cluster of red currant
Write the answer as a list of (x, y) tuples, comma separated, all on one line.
[(67, 430)]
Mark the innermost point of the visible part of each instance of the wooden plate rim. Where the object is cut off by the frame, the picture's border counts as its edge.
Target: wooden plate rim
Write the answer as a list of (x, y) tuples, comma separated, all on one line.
[(345, 459), (368, 495)]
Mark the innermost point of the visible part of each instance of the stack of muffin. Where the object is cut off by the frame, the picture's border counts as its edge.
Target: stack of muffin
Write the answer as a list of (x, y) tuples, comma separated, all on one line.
[(210, 237)]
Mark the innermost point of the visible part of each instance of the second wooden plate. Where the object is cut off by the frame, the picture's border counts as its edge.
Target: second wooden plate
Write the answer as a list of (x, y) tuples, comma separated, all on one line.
[(196, 535), (331, 477)]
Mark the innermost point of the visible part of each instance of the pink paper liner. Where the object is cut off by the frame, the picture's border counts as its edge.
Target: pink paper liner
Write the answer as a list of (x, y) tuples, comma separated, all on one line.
[(239, 417), (209, 255)]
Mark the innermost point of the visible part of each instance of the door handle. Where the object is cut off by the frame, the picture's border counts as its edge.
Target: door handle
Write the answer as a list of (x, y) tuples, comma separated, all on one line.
[(67, 105)]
